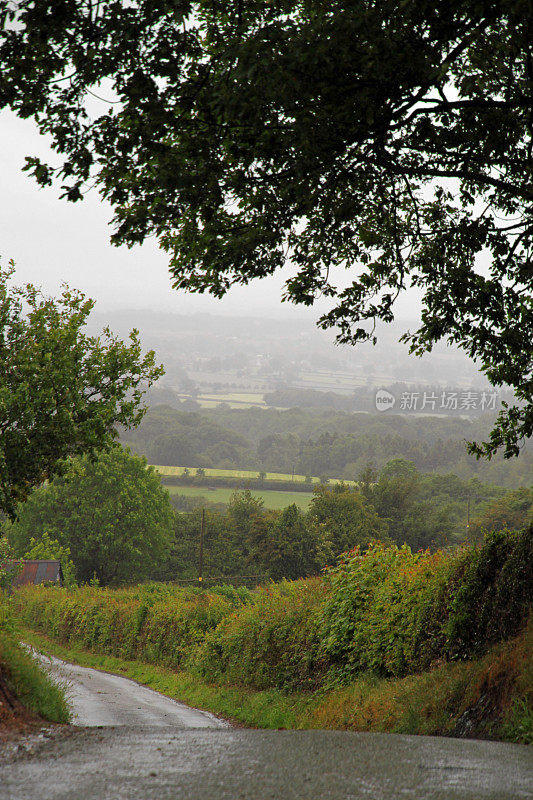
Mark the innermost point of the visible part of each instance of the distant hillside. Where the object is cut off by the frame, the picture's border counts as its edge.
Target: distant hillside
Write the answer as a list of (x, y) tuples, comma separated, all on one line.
[(169, 437), (334, 444), (207, 354)]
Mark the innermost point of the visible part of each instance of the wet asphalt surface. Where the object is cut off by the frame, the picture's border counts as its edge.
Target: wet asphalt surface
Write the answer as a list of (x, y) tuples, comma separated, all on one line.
[(188, 754), (100, 698)]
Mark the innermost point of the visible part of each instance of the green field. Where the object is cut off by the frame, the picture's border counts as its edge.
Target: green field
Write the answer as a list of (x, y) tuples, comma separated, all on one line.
[(240, 473), (233, 400), (271, 499)]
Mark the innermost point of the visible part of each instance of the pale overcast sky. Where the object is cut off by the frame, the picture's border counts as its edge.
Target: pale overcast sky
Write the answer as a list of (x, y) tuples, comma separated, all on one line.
[(52, 241)]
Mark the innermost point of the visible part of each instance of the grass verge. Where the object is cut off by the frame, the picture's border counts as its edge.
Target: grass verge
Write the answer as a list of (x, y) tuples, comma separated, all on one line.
[(27, 682), (25, 689), (486, 698)]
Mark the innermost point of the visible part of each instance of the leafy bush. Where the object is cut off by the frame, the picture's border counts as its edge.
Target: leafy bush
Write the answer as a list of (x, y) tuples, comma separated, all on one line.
[(391, 611), (370, 619), (45, 548), (8, 568), (494, 595), (274, 642)]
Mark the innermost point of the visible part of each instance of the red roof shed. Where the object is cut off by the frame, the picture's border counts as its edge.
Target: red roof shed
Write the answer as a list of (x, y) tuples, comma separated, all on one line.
[(34, 572)]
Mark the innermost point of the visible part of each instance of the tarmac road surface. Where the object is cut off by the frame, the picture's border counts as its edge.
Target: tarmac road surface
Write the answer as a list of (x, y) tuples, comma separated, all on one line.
[(100, 698), (151, 748)]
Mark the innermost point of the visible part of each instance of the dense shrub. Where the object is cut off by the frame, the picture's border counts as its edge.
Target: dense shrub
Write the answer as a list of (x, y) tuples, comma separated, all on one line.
[(494, 595), (391, 611), (370, 619), (273, 642)]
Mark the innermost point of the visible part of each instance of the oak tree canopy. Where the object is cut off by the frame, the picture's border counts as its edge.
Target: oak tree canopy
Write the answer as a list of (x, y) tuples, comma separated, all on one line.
[(389, 138)]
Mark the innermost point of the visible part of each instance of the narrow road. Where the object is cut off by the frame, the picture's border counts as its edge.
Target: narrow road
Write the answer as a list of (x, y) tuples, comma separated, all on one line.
[(100, 698), (151, 748)]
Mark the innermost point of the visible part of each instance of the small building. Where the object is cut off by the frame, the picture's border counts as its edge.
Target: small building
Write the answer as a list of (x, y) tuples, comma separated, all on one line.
[(34, 572)]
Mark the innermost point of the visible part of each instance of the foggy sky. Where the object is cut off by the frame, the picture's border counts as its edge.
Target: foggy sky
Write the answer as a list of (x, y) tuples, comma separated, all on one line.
[(53, 241)]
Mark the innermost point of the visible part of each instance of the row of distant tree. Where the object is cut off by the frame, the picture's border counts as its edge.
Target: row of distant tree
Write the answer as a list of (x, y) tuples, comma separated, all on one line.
[(110, 520), (397, 504), (312, 442)]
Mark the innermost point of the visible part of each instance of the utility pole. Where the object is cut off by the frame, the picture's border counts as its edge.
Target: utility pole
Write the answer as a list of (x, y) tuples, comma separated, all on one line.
[(468, 516), (202, 529)]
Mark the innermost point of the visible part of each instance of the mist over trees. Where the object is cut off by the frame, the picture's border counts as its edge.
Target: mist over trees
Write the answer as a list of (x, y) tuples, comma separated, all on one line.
[(367, 562), (390, 140), (312, 442)]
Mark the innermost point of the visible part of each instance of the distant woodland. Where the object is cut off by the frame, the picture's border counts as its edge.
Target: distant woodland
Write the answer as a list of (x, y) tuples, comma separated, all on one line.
[(315, 442)]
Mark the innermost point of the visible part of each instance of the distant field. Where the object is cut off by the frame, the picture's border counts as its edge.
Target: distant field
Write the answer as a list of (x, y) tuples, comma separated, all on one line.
[(233, 473), (274, 500), (233, 400), (241, 473), (334, 378), (236, 397), (340, 382)]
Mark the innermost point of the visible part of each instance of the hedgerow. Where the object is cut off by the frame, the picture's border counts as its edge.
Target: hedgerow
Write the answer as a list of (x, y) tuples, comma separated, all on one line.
[(274, 642), (370, 620), (385, 611), (153, 622), (393, 612)]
